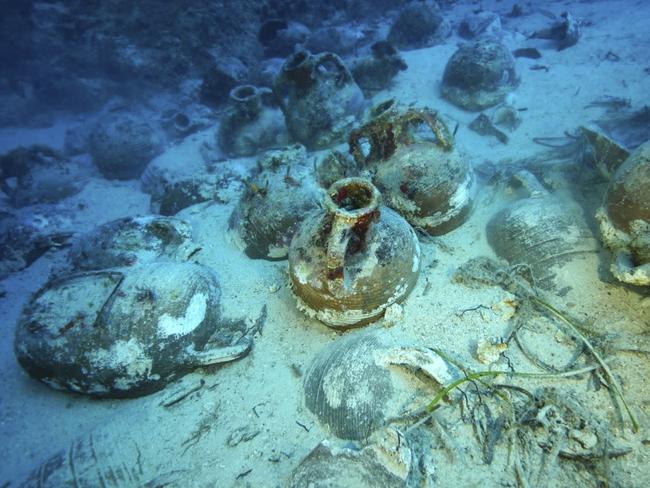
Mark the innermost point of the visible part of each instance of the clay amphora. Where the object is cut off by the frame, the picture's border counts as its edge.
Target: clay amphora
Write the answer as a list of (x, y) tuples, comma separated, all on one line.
[(355, 258), (251, 123), (319, 98)]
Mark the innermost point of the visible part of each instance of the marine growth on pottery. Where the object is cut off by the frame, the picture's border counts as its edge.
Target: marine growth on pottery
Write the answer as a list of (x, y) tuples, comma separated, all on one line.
[(277, 197), (132, 240), (416, 166), (126, 333), (479, 75), (319, 98), (625, 218), (353, 259)]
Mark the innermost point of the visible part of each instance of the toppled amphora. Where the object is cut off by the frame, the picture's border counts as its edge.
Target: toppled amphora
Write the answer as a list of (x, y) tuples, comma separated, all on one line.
[(625, 219), (544, 231), (353, 259), (121, 333)]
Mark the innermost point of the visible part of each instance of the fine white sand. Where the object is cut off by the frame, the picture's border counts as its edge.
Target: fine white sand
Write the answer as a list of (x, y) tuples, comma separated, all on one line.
[(247, 425)]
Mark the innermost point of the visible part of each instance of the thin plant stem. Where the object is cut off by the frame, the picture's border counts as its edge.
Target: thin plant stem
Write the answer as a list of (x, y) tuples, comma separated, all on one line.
[(610, 376), (477, 375)]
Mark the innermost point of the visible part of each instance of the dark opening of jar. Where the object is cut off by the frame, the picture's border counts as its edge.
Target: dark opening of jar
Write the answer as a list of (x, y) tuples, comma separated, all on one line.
[(181, 120), (353, 196)]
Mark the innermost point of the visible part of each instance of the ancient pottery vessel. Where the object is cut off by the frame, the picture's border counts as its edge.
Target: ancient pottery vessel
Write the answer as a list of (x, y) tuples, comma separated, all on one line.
[(126, 333), (597, 149), (251, 122), (544, 231), (418, 25), (132, 240), (417, 168), (353, 259), (376, 72), (625, 218), (319, 98), (391, 459), (479, 75), (123, 143), (277, 197), (22, 242), (40, 175), (357, 383)]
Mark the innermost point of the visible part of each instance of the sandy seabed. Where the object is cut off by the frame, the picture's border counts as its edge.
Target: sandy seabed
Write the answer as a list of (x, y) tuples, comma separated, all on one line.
[(246, 423)]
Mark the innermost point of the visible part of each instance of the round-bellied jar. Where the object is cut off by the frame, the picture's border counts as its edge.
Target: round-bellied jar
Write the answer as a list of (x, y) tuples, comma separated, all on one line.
[(126, 332), (123, 143), (353, 259), (544, 231), (417, 168), (625, 218), (319, 98), (278, 195), (479, 75)]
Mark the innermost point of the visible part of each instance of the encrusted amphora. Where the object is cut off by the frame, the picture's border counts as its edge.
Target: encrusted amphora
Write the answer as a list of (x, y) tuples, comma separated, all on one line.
[(416, 166), (625, 219), (353, 259), (319, 98), (252, 122)]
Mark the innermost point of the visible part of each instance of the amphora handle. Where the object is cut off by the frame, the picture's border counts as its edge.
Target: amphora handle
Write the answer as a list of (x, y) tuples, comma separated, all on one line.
[(331, 65)]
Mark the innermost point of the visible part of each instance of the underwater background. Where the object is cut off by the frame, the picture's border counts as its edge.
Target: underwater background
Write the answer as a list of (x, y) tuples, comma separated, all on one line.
[(329, 244)]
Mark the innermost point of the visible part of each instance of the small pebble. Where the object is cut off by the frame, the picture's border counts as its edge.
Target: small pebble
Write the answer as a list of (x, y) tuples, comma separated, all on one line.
[(489, 351)]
